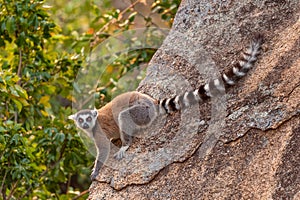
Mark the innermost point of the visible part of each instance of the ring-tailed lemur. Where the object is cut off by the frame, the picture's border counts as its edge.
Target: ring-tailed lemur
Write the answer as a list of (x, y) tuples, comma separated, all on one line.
[(128, 112)]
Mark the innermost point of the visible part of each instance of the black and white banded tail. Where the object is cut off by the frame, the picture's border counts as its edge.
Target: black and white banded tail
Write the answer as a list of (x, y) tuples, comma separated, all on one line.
[(217, 86)]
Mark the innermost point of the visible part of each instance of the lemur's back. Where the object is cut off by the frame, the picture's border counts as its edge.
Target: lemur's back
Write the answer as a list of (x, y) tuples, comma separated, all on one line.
[(108, 114)]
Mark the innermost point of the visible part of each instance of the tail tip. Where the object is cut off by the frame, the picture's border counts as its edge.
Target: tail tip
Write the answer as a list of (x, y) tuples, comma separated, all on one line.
[(258, 37)]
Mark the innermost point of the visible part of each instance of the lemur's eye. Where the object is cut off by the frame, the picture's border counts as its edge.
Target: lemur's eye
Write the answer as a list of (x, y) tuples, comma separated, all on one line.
[(80, 120), (89, 119)]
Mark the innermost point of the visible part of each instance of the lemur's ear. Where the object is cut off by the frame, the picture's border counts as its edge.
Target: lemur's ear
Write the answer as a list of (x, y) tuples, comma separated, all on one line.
[(72, 117), (95, 112)]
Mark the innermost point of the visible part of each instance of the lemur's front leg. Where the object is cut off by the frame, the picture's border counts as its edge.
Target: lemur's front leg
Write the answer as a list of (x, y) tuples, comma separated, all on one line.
[(103, 148)]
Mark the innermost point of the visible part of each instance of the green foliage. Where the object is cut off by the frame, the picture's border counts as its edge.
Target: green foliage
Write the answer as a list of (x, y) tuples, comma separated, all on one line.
[(166, 8), (42, 50), (37, 147)]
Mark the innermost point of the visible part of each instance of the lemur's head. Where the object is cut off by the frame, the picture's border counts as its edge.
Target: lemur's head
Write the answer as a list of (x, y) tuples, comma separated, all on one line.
[(85, 119)]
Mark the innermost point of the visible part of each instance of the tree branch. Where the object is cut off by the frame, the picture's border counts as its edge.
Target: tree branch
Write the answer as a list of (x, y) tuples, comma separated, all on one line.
[(113, 20), (81, 194), (3, 188), (13, 189), (19, 72)]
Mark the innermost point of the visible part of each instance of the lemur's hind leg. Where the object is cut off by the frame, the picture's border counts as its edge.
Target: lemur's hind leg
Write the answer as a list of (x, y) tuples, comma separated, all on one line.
[(131, 121)]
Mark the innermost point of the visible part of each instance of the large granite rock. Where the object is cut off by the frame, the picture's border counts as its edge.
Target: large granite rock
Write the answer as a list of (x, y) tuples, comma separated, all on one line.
[(243, 145)]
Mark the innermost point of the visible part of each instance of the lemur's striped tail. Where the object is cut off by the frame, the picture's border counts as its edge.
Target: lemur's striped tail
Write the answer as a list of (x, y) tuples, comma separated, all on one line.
[(215, 87)]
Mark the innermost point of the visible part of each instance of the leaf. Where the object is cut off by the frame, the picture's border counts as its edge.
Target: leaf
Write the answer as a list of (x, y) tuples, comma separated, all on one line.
[(15, 139), (2, 129), (2, 43), (44, 113), (23, 101), (21, 40), (11, 25), (76, 87), (35, 22), (143, 2), (17, 127), (45, 101), (132, 16), (13, 91), (21, 91), (61, 176), (50, 89), (18, 104), (59, 137), (3, 27)]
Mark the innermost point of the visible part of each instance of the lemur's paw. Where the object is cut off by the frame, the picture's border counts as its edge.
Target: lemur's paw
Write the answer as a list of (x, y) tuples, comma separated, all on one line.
[(121, 153), (94, 175)]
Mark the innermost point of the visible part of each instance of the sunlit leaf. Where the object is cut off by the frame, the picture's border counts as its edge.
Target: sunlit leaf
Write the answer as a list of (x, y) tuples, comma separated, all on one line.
[(23, 101), (18, 104), (11, 25), (131, 17), (44, 113), (2, 129), (21, 91), (45, 101), (13, 91)]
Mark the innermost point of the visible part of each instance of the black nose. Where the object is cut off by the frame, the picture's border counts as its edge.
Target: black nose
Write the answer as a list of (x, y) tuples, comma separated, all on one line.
[(85, 126)]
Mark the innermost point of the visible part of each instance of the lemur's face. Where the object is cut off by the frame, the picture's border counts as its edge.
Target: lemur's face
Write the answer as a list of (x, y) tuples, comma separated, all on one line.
[(85, 119)]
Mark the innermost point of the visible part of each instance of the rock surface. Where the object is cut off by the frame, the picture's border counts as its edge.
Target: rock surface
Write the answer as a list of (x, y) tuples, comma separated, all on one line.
[(243, 145)]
